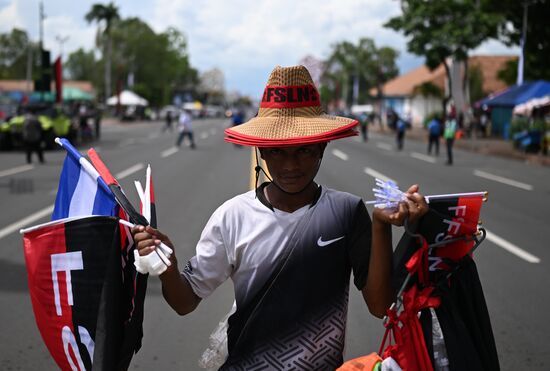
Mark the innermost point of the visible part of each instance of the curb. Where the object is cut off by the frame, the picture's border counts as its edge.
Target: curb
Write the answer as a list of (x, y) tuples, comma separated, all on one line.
[(485, 146)]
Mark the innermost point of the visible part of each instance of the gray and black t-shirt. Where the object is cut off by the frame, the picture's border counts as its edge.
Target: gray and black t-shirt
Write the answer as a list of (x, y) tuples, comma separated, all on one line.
[(291, 275)]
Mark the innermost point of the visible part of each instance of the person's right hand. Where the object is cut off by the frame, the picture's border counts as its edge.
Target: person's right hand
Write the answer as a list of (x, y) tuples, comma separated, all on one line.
[(147, 239)]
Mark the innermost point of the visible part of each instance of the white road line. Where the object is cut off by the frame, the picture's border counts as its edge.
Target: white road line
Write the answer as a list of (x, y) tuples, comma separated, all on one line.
[(26, 221), (423, 157), (500, 179), (16, 170), (204, 135), (132, 169), (511, 248), (341, 155), (169, 152), (386, 146), (375, 174)]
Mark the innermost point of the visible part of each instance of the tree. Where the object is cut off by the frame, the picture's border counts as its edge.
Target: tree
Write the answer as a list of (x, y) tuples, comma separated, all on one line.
[(81, 65), (537, 46), (158, 63), (105, 14), (475, 84), (444, 29), (363, 65), (14, 51), (509, 73)]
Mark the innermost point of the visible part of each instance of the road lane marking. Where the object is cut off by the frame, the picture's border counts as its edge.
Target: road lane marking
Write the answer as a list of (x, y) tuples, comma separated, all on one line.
[(375, 174), (14, 227), (341, 155), (511, 248), (16, 170), (204, 135), (420, 156), (132, 169), (169, 152), (386, 146), (500, 179)]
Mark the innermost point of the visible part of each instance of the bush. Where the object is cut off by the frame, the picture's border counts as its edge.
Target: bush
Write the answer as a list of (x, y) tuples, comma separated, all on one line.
[(518, 125)]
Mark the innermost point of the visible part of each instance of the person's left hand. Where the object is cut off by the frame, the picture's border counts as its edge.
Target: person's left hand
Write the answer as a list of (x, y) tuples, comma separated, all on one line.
[(413, 208)]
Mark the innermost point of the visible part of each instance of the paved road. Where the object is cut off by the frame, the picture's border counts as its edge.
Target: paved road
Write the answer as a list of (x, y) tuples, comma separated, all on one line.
[(189, 185)]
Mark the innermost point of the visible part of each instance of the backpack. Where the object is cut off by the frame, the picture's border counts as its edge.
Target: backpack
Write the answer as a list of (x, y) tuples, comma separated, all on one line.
[(32, 130)]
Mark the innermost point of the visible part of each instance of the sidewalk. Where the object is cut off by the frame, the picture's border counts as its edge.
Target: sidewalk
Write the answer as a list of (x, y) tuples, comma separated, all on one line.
[(486, 146)]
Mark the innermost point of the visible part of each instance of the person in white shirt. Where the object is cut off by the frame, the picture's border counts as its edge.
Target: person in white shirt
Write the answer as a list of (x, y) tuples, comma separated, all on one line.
[(290, 245), (185, 129)]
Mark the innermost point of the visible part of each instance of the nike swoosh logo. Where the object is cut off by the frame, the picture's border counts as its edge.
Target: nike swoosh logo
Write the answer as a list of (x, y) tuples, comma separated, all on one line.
[(322, 243)]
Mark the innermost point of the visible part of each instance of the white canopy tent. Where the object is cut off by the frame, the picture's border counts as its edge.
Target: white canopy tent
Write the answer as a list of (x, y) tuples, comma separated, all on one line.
[(127, 98), (527, 107)]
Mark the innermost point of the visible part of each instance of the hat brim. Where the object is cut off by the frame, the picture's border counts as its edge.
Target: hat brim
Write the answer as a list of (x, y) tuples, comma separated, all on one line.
[(279, 132), (262, 143)]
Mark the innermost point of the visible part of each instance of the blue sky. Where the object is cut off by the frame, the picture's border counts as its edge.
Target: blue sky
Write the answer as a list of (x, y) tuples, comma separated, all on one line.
[(243, 38)]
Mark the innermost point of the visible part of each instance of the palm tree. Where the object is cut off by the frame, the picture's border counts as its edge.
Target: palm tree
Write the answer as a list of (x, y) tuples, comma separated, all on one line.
[(105, 14)]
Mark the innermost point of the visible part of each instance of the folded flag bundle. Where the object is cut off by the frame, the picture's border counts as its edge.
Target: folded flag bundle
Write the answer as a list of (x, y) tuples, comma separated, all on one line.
[(86, 292), (439, 319)]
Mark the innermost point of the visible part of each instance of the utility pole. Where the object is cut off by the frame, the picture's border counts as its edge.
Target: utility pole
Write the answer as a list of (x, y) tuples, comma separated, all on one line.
[(41, 17), (28, 87), (521, 62)]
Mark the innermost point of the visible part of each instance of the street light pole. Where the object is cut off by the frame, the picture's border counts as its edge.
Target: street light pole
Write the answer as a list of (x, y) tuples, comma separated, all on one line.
[(521, 61), (41, 17)]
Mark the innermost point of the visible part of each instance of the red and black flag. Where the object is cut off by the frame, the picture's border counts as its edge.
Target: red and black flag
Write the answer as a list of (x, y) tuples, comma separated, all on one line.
[(76, 290), (87, 296), (450, 218), (449, 228)]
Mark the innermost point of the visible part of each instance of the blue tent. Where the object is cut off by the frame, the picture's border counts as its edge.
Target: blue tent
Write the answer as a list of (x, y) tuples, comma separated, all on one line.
[(503, 103), (518, 94)]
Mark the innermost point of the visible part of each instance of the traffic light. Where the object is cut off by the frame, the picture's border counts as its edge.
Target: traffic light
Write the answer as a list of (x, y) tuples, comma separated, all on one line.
[(43, 84), (45, 60)]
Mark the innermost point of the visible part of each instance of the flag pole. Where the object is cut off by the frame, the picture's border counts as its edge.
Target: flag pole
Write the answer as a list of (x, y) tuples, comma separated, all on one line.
[(86, 165), (484, 194)]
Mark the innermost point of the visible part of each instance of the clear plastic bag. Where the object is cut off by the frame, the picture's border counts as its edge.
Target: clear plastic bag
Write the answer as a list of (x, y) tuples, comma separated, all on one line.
[(215, 355)]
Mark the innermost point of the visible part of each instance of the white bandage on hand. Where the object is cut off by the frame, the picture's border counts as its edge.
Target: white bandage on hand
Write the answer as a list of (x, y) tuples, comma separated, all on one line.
[(150, 263)]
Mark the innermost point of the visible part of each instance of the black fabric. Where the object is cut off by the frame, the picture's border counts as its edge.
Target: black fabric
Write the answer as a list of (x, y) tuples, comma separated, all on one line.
[(243, 332), (108, 306), (135, 288), (298, 317), (360, 247), (465, 321), (97, 289), (463, 313)]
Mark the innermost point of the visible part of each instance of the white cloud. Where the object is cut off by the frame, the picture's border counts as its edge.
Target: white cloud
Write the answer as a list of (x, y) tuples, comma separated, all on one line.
[(64, 26), (9, 17), (244, 38)]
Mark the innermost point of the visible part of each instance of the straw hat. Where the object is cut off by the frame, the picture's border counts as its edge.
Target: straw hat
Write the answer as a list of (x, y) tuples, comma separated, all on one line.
[(290, 114)]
